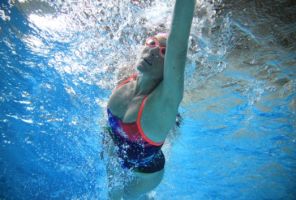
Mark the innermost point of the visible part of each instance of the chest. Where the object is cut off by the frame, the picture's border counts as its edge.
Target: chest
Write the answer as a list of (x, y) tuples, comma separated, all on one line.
[(124, 104)]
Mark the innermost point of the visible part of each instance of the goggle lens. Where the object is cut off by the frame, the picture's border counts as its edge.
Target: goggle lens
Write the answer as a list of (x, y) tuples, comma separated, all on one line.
[(150, 42), (153, 42)]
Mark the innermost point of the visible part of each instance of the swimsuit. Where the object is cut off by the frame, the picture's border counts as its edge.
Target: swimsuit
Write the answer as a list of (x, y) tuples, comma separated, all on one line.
[(135, 149)]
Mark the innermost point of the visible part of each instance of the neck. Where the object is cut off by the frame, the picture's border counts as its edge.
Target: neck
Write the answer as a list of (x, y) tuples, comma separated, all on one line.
[(145, 85)]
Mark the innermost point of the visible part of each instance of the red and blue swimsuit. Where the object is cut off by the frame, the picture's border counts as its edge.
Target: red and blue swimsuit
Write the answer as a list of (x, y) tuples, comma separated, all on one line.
[(135, 149)]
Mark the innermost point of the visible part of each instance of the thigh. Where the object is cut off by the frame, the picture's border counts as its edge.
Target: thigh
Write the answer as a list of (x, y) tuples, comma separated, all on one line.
[(142, 183)]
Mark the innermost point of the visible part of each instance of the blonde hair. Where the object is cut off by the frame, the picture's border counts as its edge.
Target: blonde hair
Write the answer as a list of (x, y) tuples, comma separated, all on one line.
[(162, 36)]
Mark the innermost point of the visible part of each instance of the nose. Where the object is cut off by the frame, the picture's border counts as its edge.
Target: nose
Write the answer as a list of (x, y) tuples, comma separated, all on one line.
[(154, 52)]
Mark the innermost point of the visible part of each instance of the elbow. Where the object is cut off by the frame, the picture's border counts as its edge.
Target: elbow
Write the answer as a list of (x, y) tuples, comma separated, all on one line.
[(178, 46), (180, 98), (177, 39)]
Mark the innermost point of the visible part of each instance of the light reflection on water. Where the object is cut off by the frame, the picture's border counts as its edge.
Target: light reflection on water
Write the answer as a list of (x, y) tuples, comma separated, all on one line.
[(60, 61)]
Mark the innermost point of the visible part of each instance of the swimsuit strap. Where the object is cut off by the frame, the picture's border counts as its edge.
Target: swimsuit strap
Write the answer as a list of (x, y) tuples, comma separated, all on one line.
[(125, 81), (138, 122), (140, 127)]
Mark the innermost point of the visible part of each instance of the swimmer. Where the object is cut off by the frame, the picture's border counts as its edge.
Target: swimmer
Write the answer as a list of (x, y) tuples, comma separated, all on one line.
[(143, 108)]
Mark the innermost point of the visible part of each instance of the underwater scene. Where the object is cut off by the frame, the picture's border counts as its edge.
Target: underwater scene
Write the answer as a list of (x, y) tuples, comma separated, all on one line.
[(60, 60)]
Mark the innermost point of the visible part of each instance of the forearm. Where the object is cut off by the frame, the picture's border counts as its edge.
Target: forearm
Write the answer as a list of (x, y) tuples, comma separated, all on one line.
[(181, 23)]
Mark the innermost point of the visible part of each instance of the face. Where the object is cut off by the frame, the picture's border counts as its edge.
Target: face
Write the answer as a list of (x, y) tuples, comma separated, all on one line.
[(152, 57)]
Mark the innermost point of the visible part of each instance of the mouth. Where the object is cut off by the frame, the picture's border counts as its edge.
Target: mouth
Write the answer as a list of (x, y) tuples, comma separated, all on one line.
[(147, 61)]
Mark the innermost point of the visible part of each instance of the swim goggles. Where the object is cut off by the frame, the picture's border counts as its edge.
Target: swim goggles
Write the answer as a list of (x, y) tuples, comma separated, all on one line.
[(153, 42)]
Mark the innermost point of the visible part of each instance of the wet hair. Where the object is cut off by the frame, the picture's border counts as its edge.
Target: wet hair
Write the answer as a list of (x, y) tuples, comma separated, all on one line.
[(162, 35)]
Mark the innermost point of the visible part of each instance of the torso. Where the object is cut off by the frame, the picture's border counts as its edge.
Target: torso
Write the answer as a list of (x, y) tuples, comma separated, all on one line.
[(125, 105), (158, 115)]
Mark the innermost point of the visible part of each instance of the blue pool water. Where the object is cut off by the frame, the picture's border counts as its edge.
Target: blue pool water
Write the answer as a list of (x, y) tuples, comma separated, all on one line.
[(60, 60)]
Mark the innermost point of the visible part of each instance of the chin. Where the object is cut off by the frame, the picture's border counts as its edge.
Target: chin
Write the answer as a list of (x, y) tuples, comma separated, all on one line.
[(141, 67)]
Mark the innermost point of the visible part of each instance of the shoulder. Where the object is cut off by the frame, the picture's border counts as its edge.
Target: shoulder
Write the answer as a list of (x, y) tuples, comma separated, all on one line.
[(120, 98), (126, 80)]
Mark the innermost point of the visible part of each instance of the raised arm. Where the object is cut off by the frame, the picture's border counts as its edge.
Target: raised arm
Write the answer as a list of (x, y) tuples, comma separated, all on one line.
[(175, 58), (159, 114)]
